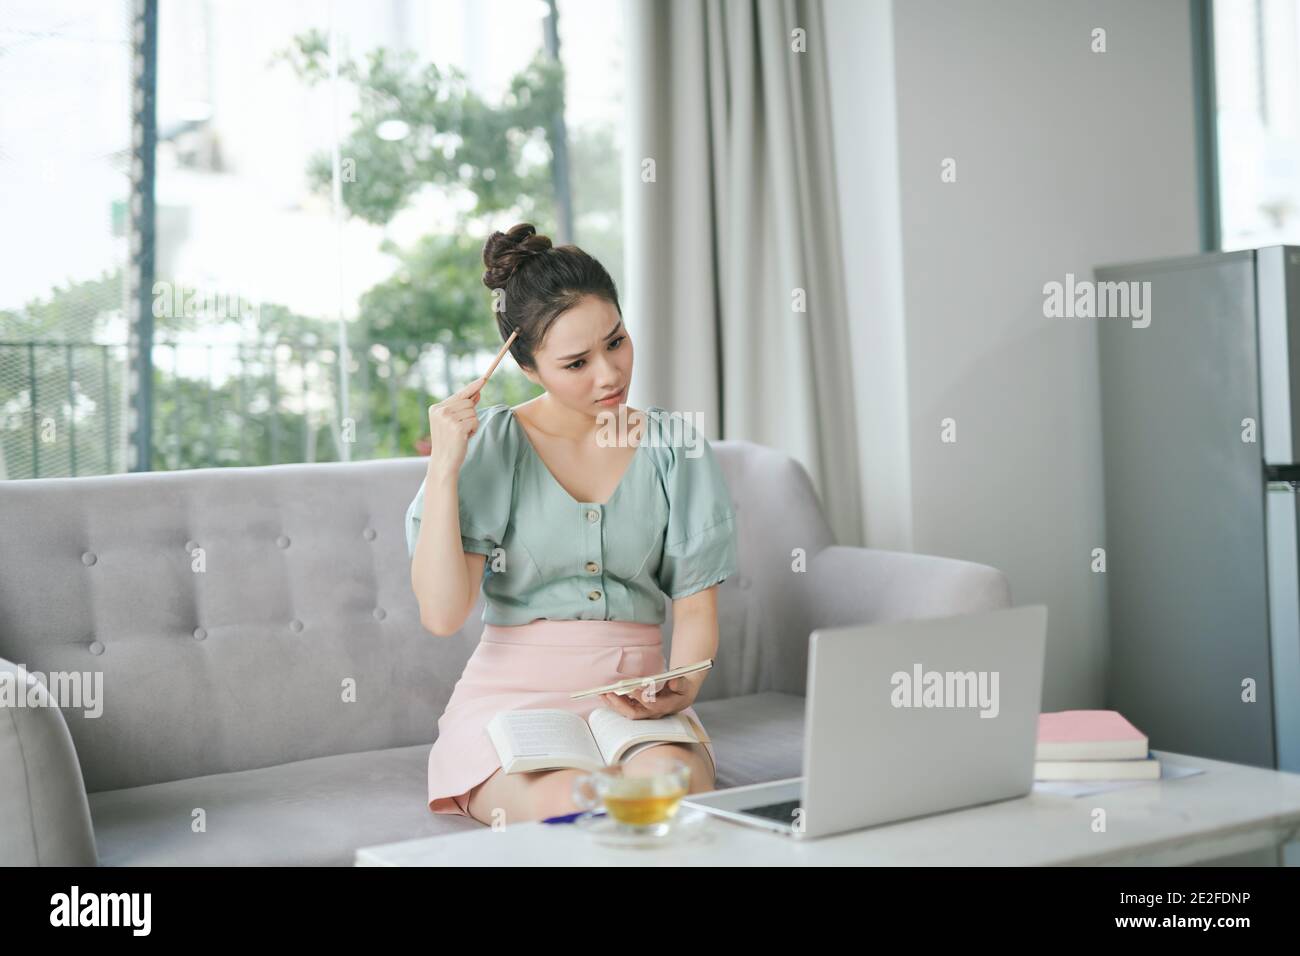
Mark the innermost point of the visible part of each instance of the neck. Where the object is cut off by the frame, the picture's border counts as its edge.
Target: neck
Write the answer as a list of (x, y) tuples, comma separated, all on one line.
[(565, 422), (577, 426)]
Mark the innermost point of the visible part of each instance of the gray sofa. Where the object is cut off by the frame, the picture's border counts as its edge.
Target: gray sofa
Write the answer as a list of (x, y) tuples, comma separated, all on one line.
[(268, 693)]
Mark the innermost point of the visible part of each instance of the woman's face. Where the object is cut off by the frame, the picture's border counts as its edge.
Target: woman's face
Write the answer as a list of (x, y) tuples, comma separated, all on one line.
[(586, 355)]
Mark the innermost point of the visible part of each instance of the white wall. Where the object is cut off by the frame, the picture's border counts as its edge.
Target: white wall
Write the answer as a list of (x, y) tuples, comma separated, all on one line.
[(1065, 159)]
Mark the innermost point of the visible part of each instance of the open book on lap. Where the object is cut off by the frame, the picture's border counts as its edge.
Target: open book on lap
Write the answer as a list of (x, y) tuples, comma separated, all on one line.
[(548, 739)]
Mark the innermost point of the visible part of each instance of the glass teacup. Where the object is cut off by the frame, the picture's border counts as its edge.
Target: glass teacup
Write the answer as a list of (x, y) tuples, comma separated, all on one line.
[(639, 799)]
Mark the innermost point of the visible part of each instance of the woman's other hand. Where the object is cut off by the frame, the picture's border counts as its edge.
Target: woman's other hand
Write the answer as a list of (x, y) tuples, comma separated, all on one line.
[(643, 703)]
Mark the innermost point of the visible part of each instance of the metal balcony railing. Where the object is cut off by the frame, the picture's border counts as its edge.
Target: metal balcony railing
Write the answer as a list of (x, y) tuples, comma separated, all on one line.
[(64, 405)]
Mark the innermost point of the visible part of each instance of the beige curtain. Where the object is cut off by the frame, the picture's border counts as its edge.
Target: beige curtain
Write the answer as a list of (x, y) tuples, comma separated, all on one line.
[(735, 291)]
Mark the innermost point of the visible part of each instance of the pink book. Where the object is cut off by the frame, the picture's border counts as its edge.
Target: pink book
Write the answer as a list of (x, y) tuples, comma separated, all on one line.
[(1089, 735)]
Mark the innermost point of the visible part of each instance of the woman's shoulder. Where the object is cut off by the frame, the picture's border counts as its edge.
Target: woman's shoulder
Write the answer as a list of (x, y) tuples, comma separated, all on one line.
[(497, 412), (494, 423), (494, 442)]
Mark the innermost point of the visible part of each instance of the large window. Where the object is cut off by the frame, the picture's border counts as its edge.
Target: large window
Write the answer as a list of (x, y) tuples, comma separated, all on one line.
[(326, 174), (65, 133), (1257, 93)]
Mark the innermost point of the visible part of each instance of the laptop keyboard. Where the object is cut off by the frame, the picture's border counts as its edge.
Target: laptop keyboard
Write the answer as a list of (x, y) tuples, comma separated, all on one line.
[(782, 812)]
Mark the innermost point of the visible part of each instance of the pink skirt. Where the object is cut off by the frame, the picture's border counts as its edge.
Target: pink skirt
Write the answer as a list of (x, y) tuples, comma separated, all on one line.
[(525, 667)]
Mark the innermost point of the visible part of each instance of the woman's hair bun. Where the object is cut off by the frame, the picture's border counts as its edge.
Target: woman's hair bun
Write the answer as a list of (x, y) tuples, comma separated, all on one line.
[(504, 252)]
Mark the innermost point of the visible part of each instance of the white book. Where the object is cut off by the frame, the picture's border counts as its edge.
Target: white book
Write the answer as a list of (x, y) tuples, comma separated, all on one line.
[(552, 739), (1145, 769)]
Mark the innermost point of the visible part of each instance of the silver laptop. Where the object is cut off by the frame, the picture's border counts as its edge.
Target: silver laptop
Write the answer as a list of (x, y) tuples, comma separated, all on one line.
[(905, 720)]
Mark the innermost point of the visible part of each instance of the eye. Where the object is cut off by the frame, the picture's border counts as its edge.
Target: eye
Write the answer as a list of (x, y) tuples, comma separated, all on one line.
[(616, 343)]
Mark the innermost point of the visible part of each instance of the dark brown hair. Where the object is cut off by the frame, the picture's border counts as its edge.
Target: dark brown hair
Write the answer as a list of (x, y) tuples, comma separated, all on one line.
[(541, 283)]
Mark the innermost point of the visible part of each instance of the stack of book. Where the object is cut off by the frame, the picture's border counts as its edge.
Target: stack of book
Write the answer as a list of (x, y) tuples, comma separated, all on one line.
[(1092, 745)]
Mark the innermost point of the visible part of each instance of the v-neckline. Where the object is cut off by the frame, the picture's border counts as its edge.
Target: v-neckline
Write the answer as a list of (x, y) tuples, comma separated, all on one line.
[(528, 443)]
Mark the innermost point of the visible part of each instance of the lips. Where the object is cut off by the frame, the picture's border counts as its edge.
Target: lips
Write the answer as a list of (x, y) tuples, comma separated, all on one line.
[(607, 398)]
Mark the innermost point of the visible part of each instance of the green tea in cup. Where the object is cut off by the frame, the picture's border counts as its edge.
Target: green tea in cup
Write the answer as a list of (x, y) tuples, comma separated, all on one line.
[(640, 798)]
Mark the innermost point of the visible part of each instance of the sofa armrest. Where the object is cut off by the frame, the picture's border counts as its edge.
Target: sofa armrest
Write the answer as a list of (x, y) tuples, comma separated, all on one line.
[(846, 586), (44, 811)]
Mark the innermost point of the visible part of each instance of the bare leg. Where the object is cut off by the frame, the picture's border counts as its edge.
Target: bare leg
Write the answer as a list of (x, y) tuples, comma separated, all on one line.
[(523, 796), (546, 793), (693, 755)]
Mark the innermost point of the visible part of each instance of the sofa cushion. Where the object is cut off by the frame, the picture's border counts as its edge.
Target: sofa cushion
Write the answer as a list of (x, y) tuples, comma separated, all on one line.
[(758, 737), (308, 812), (320, 811)]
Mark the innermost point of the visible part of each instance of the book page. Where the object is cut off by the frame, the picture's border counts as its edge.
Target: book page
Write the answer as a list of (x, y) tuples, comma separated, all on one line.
[(614, 732), (542, 732)]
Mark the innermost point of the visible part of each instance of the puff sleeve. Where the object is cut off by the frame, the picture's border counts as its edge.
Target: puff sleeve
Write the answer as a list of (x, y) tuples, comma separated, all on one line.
[(700, 540), (485, 486)]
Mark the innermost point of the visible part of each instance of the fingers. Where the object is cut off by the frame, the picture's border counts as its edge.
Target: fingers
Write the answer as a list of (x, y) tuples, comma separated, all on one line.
[(647, 693), (471, 391), (456, 408), (628, 706), (638, 703), (453, 412), (620, 705)]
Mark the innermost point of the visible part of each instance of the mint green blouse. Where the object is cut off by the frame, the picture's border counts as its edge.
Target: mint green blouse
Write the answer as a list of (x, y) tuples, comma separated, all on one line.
[(668, 528)]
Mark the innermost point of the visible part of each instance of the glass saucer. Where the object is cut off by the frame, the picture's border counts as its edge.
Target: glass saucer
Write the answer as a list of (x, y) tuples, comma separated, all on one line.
[(687, 824)]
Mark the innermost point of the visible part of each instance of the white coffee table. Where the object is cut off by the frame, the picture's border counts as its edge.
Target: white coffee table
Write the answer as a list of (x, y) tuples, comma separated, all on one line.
[(1229, 809)]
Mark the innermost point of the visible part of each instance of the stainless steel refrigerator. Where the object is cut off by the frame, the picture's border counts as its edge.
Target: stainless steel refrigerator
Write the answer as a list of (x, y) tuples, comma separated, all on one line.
[(1201, 448)]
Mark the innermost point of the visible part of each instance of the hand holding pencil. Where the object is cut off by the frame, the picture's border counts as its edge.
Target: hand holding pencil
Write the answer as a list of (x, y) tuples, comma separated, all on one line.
[(453, 421)]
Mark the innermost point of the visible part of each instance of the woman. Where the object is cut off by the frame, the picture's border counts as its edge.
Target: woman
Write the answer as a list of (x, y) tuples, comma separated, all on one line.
[(585, 536)]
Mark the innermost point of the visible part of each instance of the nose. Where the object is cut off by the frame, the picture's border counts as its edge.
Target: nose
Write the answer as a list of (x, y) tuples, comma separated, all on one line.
[(611, 376)]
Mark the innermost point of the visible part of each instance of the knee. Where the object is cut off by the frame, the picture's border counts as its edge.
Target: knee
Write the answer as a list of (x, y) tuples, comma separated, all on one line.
[(702, 779), (693, 755)]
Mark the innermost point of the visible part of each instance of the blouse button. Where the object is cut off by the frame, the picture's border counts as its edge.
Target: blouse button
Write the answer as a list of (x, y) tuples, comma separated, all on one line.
[(593, 595), (593, 567), (593, 515)]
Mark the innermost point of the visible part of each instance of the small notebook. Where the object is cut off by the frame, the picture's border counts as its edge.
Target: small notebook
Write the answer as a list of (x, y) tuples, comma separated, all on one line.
[(552, 739), (1088, 735)]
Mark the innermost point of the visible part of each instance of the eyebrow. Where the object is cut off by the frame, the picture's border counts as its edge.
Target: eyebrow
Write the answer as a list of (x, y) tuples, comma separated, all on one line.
[(577, 355)]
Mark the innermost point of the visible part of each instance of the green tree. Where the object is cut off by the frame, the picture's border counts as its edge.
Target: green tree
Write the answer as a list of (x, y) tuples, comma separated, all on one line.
[(499, 155)]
